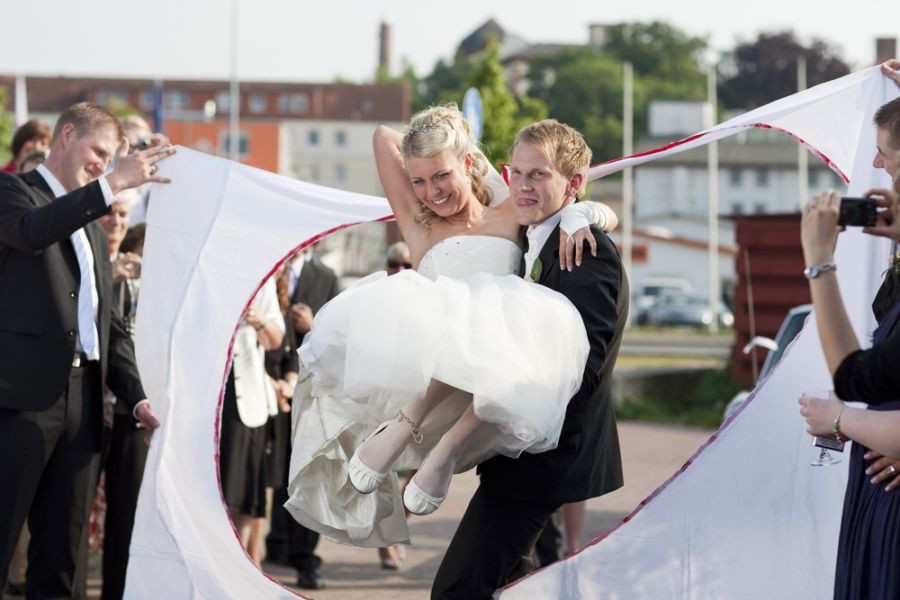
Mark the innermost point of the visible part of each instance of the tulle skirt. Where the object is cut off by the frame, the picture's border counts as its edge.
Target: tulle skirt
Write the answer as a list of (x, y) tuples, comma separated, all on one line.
[(515, 350)]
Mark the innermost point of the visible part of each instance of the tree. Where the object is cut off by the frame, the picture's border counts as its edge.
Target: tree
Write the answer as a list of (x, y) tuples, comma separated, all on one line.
[(758, 72), (407, 77), (583, 86), (120, 108), (504, 115), (6, 127)]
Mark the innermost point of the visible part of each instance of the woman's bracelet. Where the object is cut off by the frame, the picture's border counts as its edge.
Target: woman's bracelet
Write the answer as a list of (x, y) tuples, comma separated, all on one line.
[(836, 426)]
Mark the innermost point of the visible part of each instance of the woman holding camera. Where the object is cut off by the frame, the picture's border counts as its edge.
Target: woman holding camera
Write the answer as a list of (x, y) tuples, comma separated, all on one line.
[(869, 543)]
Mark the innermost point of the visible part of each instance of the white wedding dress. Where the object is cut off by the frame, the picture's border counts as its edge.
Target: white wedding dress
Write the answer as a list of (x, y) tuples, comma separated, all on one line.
[(517, 349)]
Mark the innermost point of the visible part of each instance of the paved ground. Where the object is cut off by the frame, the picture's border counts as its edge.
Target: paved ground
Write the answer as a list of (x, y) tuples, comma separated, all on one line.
[(651, 453)]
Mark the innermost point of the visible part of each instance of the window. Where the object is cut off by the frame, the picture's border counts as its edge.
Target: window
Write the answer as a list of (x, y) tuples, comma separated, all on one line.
[(258, 103), (223, 102), (340, 173), (812, 178), (145, 100), (759, 208), (243, 143), (176, 100), (340, 138), (313, 137), (735, 176), (299, 103), (737, 208), (762, 177), (293, 103)]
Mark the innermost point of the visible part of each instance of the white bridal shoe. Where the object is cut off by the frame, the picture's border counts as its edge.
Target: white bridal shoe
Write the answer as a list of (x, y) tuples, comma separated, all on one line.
[(418, 502), (364, 479)]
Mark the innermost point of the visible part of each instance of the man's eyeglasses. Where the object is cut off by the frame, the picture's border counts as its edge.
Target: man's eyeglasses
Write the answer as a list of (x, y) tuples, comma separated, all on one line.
[(396, 264)]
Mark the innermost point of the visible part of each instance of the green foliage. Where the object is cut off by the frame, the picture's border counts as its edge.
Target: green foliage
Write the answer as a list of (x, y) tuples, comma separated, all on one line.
[(697, 401), (120, 108), (583, 86), (758, 72), (504, 116), (7, 127), (408, 78)]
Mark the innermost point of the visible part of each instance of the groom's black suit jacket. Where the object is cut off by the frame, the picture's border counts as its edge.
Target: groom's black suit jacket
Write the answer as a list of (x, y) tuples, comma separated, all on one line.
[(39, 281), (587, 461)]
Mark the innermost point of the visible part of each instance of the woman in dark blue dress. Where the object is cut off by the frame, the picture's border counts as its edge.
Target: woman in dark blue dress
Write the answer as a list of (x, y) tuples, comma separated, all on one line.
[(868, 559)]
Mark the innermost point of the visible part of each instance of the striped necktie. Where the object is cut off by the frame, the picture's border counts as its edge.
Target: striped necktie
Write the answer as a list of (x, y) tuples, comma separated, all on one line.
[(87, 296)]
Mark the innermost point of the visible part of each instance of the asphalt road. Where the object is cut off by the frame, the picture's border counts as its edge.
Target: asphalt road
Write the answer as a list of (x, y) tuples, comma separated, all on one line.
[(651, 454)]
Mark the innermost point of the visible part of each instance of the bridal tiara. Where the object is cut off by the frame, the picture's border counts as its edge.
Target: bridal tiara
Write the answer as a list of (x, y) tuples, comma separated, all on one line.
[(422, 128)]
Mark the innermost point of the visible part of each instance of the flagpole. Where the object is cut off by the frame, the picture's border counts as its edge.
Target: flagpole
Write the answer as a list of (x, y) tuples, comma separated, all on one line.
[(713, 183), (21, 104), (802, 153), (235, 99), (628, 175)]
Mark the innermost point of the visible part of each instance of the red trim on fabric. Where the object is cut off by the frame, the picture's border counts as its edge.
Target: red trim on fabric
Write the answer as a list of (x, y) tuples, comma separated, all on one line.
[(218, 421), (712, 438), (828, 162)]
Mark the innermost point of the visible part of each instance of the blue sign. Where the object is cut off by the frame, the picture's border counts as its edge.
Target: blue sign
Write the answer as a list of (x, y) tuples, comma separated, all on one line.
[(473, 112)]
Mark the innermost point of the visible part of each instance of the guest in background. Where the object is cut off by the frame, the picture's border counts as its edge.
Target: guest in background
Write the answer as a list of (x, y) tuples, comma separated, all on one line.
[(398, 258), (309, 285), (869, 541), (33, 136), (126, 451), (248, 402)]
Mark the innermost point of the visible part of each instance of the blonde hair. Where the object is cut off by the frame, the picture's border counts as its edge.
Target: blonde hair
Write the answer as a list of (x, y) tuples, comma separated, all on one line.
[(443, 128), (561, 144)]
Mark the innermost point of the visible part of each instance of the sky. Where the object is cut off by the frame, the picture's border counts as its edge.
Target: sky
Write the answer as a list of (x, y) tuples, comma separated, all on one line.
[(293, 40)]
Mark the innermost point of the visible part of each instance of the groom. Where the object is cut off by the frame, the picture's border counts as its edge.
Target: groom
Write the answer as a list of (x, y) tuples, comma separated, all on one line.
[(549, 164)]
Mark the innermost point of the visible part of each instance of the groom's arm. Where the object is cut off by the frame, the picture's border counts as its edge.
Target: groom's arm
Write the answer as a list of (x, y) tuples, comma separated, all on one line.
[(594, 288)]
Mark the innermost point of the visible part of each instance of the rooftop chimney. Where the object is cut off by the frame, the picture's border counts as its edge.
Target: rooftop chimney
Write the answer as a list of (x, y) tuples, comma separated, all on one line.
[(384, 50), (885, 48)]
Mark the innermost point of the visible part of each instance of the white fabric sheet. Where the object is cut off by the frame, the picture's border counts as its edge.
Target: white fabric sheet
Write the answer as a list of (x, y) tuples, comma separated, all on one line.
[(213, 236), (748, 517)]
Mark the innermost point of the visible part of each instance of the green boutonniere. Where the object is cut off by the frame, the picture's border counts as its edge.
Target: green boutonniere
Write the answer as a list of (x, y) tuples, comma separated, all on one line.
[(536, 269)]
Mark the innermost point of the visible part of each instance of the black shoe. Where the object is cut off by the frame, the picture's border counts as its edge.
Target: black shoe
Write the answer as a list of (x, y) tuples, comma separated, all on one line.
[(310, 579), (15, 589)]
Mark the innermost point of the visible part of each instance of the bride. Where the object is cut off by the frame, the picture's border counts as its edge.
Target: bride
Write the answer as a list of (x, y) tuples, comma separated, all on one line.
[(438, 368)]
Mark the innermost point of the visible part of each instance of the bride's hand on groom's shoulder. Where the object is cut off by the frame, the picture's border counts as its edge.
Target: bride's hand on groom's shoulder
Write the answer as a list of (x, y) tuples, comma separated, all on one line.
[(571, 247)]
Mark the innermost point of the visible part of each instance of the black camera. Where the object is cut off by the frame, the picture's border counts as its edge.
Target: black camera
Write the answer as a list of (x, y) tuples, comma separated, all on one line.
[(858, 212)]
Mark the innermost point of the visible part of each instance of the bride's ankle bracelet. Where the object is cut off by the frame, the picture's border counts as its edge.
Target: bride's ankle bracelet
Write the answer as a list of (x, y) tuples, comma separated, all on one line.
[(414, 430)]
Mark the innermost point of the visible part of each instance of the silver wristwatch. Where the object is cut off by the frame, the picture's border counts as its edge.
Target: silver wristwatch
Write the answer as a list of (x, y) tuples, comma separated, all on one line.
[(816, 270)]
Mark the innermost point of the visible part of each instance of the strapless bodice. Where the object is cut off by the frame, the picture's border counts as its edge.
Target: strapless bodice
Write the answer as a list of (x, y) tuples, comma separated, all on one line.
[(463, 255)]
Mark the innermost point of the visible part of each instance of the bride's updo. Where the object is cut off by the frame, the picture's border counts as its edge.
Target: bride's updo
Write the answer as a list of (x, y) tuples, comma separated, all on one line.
[(441, 128)]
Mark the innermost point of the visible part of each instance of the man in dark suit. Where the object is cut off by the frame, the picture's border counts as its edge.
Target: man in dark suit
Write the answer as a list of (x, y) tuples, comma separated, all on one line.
[(61, 336), (310, 285), (549, 163)]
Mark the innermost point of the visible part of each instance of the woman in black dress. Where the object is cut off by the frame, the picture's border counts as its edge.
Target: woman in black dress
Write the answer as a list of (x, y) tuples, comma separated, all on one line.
[(869, 543)]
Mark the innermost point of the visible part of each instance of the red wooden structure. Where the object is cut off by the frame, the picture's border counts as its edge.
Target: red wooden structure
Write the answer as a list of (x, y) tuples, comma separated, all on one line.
[(770, 271)]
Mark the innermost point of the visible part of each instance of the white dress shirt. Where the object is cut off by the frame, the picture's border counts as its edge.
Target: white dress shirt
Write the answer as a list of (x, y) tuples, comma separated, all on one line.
[(88, 298), (537, 236)]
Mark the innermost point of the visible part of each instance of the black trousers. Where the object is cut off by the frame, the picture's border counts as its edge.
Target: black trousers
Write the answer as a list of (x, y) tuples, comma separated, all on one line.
[(124, 467), (48, 470), (493, 536), (289, 541)]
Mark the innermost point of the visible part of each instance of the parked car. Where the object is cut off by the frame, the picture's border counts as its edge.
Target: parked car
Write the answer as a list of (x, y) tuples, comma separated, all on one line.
[(651, 290), (679, 309), (789, 329)]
